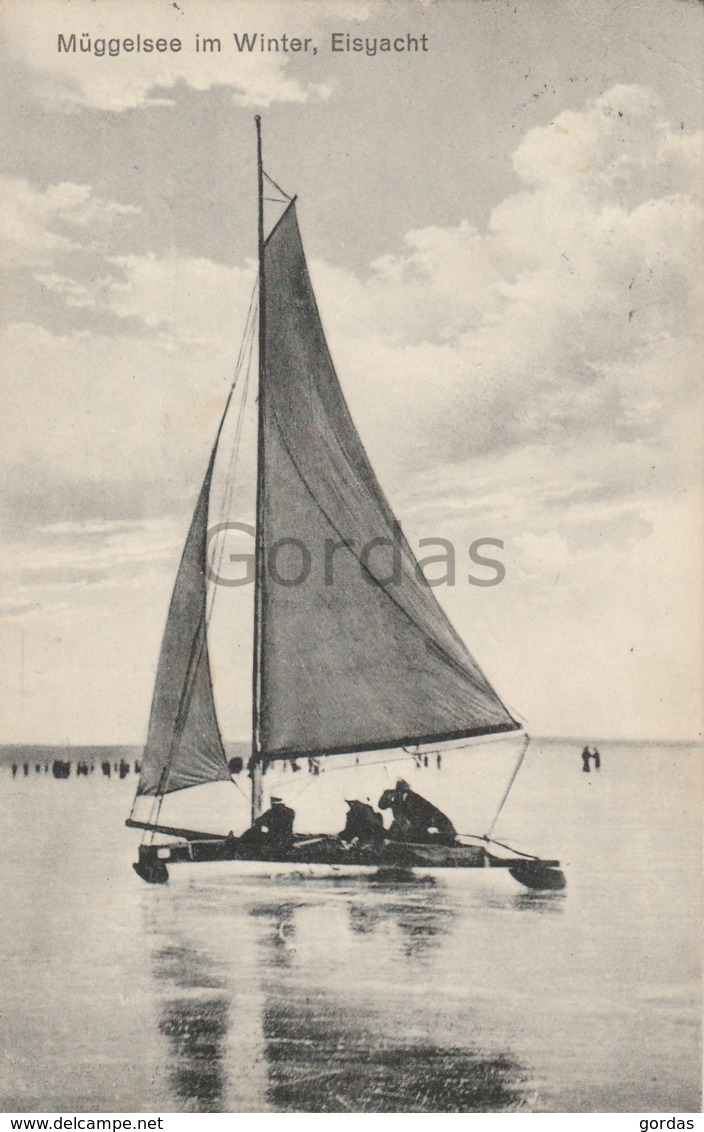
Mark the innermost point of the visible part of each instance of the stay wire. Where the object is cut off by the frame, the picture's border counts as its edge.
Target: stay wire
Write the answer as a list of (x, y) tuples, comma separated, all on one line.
[(507, 791), (248, 342), (277, 187), (199, 639)]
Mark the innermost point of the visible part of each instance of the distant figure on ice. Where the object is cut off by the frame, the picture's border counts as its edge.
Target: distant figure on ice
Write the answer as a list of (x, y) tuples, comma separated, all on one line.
[(106, 769), (415, 819), (586, 755), (25, 768), (597, 759), (15, 768)]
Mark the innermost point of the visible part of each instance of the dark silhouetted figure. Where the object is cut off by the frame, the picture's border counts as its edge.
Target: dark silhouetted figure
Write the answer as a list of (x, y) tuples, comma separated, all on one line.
[(106, 768), (37, 768), (124, 768), (597, 759), (585, 760), (364, 824), (137, 766), (25, 768), (415, 819), (273, 830), (60, 769), (15, 768), (235, 765)]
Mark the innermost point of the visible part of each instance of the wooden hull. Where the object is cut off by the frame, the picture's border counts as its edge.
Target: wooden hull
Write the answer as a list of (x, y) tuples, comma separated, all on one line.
[(327, 850)]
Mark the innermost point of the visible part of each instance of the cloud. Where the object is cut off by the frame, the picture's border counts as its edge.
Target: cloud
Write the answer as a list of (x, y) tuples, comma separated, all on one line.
[(571, 323), (538, 381), (78, 77), (98, 427), (576, 316), (36, 222)]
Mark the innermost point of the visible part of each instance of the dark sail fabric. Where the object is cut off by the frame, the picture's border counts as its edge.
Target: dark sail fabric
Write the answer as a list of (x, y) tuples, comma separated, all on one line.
[(184, 746), (356, 659)]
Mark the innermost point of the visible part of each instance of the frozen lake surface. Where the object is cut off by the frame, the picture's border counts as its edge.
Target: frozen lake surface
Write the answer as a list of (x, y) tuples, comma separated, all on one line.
[(231, 989)]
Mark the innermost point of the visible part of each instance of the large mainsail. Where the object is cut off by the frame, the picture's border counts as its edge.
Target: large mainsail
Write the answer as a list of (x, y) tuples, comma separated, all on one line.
[(184, 746), (352, 656)]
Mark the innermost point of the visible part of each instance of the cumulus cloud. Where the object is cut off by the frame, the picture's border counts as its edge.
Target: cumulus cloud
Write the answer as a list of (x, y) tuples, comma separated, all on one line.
[(80, 78), (36, 222), (576, 314), (574, 319), (540, 382), (535, 381)]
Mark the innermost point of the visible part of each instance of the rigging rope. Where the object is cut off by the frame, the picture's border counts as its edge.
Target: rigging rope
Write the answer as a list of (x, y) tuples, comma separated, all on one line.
[(199, 640), (277, 187), (507, 791), (248, 341)]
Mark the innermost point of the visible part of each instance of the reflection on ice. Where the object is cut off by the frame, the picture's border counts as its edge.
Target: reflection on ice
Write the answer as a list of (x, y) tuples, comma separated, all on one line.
[(320, 982), (196, 1029), (232, 990), (195, 1024), (323, 1059)]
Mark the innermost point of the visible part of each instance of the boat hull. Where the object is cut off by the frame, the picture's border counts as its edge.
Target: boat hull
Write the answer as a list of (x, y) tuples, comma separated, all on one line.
[(326, 850)]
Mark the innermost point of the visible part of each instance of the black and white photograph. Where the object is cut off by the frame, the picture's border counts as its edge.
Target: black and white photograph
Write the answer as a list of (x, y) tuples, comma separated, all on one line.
[(352, 623)]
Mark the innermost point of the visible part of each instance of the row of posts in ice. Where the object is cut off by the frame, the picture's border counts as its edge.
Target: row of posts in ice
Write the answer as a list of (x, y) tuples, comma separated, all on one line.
[(61, 768)]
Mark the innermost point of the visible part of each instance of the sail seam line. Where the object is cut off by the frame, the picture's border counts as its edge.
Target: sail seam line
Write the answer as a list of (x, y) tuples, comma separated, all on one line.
[(450, 661), (442, 653), (366, 476)]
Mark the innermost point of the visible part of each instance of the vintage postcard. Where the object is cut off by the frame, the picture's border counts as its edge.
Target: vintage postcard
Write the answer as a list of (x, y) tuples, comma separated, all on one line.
[(351, 748)]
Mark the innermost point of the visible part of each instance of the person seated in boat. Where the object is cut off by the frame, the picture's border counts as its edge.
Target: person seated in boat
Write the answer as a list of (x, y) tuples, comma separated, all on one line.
[(364, 825), (415, 819), (274, 828)]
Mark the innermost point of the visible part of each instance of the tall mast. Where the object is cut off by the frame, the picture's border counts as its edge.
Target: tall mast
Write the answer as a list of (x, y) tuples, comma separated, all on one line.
[(260, 564)]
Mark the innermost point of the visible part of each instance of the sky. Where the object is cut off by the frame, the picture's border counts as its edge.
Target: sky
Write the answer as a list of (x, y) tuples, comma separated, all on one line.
[(505, 237)]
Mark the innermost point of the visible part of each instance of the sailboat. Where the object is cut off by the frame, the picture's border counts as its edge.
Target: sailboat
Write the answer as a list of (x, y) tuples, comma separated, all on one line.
[(367, 666)]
